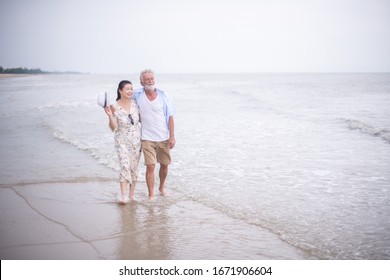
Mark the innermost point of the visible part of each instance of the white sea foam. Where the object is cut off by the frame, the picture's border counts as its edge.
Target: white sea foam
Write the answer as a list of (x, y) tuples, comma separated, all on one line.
[(369, 129)]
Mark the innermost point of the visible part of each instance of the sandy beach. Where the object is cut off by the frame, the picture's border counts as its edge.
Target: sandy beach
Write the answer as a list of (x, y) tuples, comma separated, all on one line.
[(63, 221), (4, 76)]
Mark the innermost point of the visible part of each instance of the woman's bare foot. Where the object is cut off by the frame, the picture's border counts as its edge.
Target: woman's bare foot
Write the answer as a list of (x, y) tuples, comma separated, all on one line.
[(122, 201), (123, 196), (132, 191)]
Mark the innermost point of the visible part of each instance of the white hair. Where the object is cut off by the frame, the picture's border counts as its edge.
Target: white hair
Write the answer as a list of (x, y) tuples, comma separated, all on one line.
[(144, 72)]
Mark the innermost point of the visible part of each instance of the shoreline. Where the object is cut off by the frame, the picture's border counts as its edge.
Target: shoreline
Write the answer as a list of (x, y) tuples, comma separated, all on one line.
[(5, 76), (16, 75)]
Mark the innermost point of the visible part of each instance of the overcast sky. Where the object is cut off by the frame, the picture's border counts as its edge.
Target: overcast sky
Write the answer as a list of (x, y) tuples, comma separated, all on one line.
[(176, 36)]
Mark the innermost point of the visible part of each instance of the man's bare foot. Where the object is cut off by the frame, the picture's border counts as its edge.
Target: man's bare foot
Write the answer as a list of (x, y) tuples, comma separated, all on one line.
[(162, 191)]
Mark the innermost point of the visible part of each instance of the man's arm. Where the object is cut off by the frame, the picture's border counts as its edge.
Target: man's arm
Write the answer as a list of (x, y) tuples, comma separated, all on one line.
[(171, 126)]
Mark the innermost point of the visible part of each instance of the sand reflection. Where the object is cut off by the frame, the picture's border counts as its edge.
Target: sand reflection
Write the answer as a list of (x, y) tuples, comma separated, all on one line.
[(145, 231)]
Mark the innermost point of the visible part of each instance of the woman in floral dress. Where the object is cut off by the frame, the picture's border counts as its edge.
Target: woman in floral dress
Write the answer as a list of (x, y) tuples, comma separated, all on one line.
[(124, 120)]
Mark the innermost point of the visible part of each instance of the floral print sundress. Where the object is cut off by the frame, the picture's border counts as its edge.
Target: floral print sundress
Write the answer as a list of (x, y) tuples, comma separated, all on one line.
[(127, 140)]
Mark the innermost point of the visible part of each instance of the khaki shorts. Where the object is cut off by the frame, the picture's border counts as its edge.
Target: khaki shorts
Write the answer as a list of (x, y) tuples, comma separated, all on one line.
[(156, 152)]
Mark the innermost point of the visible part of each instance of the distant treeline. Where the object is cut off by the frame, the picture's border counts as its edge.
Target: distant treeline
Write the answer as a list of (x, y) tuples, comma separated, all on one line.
[(25, 70), (21, 70)]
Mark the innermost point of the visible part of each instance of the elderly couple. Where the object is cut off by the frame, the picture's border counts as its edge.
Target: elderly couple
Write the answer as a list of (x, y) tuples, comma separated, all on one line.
[(155, 137)]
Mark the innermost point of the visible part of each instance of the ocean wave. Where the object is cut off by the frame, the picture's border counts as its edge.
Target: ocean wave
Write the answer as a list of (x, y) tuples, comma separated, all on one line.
[(18, 112), (70, 104), (371, 130), (46, 107), (101, 150), (105, 158)]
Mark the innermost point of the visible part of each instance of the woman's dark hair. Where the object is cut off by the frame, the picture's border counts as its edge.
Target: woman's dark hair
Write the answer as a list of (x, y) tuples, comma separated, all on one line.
[(120, 87)]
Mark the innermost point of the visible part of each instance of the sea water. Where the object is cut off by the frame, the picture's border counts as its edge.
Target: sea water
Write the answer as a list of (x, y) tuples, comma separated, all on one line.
[(305, 156)]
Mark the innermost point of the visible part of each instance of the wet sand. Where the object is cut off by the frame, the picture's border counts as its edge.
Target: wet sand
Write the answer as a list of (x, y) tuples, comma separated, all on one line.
[(66, 221)]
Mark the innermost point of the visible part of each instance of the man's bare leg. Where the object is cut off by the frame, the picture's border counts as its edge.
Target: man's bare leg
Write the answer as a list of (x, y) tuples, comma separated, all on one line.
[(163, 173), (150, 179)]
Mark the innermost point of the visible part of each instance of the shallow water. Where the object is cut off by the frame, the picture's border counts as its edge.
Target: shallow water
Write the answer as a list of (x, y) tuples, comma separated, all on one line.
[(305, 156)]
